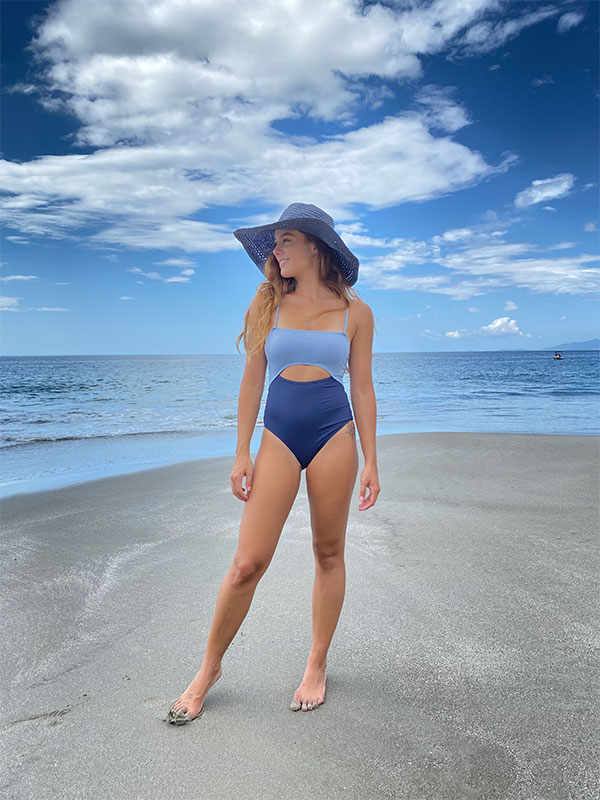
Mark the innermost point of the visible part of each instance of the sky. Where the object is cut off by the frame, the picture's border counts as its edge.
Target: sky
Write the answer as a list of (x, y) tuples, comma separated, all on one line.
[(454, 142)]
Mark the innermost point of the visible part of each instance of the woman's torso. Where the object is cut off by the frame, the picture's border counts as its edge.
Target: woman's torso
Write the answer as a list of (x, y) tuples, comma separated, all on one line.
[(307, 354)]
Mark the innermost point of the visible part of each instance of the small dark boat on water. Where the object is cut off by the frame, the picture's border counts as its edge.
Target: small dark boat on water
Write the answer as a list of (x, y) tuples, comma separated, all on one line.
[(557, 356)]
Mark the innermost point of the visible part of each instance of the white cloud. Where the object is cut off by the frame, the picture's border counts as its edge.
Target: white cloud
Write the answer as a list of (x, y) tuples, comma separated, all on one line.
[(488, 35), (21, 88), (228, 58), (502, 326), (473, 309), (45, 308), (509, 305), (141, 196), (9, 303), (541, 81), (479, 261), (499, 327), (589, 227), (175, 262), (125, 298), (455, 235), (187, 234), (14, 239), (183, 277), (19, 277), (183, 108), (568, 21), (441, 110), (510, 263), (545, 189), (562, 246)]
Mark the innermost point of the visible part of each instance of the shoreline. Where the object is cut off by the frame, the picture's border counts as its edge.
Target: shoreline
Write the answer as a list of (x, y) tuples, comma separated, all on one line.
[(54, 483)]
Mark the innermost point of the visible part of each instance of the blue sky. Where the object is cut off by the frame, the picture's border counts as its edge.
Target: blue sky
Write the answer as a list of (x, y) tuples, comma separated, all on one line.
[(455, 143)]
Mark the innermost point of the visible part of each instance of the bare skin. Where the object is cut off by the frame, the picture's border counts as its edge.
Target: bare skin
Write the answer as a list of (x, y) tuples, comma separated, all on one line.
[(329, 506), (271, 487), (275, 485)]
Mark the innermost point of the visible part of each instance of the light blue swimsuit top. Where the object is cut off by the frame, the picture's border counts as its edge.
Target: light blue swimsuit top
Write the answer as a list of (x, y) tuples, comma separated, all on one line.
[(326, 349)]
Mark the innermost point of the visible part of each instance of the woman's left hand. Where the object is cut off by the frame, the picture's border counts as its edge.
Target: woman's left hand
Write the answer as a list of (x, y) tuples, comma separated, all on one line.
[(369, 479)]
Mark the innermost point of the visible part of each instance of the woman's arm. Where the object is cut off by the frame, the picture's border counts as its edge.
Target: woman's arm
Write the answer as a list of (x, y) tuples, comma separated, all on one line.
[(364, 404), (251, 389)]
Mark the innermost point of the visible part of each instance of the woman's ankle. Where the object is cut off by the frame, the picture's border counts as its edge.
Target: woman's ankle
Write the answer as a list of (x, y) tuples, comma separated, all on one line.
[(316, 661), (210, 667)]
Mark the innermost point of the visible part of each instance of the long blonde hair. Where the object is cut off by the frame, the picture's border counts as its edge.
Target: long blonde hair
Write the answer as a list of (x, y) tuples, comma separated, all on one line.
[(271, 290)]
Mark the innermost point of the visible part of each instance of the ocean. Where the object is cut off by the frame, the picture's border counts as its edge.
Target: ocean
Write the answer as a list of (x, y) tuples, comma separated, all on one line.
[(67, 419)]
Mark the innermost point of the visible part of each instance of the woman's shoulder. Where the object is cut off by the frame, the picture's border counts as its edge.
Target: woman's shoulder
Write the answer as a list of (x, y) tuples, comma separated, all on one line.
[(360, 310)]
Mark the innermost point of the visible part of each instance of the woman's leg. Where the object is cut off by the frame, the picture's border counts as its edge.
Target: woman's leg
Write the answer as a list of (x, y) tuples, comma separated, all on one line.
[(330, 480), (275, 483)]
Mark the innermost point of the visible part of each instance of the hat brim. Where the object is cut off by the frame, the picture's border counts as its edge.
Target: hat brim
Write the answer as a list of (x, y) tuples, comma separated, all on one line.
[(259, 243)]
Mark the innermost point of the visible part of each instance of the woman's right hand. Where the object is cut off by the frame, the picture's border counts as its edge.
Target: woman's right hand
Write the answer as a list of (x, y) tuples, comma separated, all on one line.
[(242, 467)]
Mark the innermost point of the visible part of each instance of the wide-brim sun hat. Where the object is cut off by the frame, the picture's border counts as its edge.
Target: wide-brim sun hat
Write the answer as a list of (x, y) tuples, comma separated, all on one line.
[(259, 242)]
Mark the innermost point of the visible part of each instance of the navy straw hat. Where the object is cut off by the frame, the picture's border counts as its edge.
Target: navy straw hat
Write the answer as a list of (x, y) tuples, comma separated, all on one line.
[(259, 242)]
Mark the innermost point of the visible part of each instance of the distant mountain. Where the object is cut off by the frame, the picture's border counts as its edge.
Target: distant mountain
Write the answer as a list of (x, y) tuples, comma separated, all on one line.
[(591, 344)]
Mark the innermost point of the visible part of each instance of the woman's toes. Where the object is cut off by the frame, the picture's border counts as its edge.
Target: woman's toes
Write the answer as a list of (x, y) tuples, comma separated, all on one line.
[(304, 705)]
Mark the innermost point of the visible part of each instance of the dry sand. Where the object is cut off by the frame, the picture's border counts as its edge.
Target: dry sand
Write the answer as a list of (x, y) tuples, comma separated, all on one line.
[(464, 664)]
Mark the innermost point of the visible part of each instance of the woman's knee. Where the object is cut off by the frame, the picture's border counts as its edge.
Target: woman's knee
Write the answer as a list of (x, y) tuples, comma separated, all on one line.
[(246, 570), (328, 556)]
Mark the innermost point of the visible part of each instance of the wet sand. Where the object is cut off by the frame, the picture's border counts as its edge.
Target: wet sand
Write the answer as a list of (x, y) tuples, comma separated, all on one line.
[(464, 664)]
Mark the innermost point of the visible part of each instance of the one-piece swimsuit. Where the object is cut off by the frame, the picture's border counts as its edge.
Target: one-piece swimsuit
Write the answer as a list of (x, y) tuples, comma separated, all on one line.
[(304, 415)]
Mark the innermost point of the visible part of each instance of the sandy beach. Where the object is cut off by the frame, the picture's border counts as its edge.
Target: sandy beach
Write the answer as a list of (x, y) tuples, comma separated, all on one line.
[(464, 664)]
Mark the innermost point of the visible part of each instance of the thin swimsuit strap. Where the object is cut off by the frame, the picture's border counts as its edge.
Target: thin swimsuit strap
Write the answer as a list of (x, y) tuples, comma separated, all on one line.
[(345, 320)]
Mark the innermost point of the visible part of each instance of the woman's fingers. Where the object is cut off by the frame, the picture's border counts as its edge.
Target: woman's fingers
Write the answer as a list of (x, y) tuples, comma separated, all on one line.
[(364, 500), (237, 488), (237, 477), (368, 482)]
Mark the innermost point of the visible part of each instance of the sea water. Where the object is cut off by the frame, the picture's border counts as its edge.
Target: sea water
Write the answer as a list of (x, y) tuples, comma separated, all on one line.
[(66, 419)]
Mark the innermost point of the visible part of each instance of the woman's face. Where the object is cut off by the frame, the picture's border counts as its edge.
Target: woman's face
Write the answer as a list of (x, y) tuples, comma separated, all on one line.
[(294, 253)]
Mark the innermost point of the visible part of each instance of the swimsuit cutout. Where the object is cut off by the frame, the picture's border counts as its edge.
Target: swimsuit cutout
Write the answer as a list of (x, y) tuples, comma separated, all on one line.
[(304, 415)]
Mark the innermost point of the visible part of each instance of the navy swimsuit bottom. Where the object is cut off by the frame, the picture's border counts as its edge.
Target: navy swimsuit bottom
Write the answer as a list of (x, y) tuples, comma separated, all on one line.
[(304, 415)]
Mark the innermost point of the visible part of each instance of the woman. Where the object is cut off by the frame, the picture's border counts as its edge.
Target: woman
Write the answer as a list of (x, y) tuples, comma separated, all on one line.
[(294, 325)]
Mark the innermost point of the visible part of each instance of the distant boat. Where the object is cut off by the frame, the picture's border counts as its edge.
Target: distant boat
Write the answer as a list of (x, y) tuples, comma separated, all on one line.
[(557, 356)]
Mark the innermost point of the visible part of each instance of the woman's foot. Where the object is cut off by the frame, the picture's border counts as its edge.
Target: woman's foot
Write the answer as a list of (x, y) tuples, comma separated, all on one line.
[(189, 705), (311, 692)]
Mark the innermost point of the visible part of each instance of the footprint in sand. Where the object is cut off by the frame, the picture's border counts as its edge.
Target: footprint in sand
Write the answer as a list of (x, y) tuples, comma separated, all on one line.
[(52, 717)]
